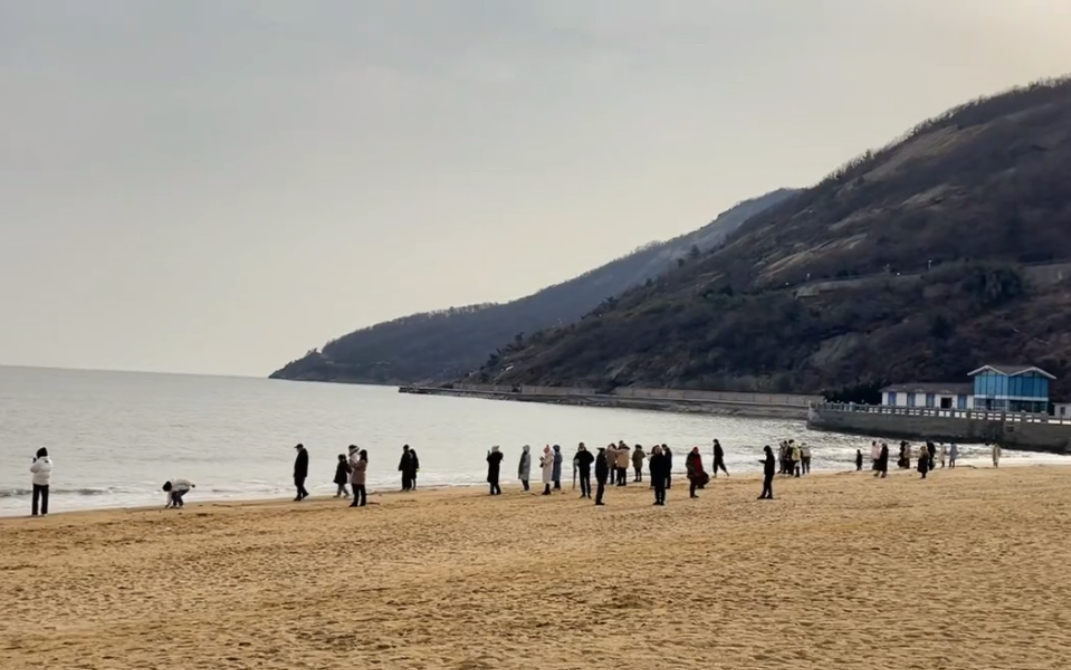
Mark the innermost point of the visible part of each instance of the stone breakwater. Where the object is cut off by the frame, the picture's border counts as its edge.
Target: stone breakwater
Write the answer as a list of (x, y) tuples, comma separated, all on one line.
[(730, 403)]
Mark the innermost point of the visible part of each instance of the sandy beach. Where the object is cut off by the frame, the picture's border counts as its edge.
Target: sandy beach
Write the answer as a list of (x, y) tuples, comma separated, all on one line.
[(964, 570)]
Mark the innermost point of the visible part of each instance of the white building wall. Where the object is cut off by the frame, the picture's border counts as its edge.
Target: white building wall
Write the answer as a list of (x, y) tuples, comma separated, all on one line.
[(920, 400)]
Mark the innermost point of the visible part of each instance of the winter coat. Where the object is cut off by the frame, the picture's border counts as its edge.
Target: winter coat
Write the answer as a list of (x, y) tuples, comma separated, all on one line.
[(658, 465), (547, 463), (494, 464), (953, 450), (622, 457), (42, 471), (769, 464), (301, 464), (556, 470), (525, 467), (602, 467), (637, 458), (342, 473), (352, 461), (719, 453), (583, 460), (693, 463), (359, 470)]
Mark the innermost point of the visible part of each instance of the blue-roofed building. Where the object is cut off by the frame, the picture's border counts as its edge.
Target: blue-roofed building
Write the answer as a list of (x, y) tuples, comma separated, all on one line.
[(1011, 388)]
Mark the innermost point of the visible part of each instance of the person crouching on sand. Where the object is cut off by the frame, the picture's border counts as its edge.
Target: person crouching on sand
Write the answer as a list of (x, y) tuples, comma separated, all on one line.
[(176, 488), (342, 475), (359, 470), (769, 467), (546, 463), (658, 466), (524, 468)]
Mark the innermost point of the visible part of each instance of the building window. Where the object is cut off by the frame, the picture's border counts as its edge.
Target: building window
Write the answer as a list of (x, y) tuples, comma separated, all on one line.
[(910, 399), (961, 402), (892, 398), (929, 400)]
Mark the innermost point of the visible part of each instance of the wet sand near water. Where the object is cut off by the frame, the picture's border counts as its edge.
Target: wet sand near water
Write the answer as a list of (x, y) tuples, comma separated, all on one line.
[(964, 570)]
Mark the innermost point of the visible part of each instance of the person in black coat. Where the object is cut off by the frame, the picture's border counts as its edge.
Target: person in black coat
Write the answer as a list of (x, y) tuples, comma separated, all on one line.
[(602, 473), (858, 460), (494, 464), (769, 467), (669, 466), (719, 460), (659, 465), (342, 476), (583, 460), (883, 461), (408, 467), (301, 471)]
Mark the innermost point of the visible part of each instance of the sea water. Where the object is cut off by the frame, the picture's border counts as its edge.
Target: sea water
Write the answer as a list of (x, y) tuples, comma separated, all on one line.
[(116, 437)]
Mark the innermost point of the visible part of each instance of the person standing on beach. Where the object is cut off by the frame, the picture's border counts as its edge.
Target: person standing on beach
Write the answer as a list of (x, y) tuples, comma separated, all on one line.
[(924, 460), (996, 455), (637, 463), (697, 476), (953, 453), (769, 467), (602, 473), (357, 479), (175, 489), (41, 469), (546, 463), (301, 471), (494, 463), (942, 453), (407, 468), (415, 469), (583, 461), (556, 474), (797, 457), (524, 469), (933, 456), (622, 463), (858, 460), (342, 475), (668, 468), (805, 456), (883, 461), (719, 460), (875, 457), (659, 470)]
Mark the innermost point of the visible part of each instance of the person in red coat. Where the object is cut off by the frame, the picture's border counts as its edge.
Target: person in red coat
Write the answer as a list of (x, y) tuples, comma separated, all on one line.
[(697, 476)]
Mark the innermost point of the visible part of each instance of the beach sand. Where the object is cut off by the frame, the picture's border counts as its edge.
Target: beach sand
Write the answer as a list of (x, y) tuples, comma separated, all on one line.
[(968, 569)]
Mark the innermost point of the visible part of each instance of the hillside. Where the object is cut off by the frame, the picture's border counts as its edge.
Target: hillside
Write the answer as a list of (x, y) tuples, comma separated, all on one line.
[(974, 194), (437, 346)]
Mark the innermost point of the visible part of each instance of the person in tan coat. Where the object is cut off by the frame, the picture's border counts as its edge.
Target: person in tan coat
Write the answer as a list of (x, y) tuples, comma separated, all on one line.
[(623, 459)]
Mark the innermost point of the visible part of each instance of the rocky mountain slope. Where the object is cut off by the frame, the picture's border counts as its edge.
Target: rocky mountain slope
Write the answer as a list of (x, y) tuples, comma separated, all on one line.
[(437, 346), (965, 199)]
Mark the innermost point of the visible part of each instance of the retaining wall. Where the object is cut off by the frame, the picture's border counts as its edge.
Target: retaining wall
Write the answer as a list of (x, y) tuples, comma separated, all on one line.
[(771, 399)]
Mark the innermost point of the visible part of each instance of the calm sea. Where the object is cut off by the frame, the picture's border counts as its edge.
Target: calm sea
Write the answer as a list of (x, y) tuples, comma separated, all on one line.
[(115, 437)]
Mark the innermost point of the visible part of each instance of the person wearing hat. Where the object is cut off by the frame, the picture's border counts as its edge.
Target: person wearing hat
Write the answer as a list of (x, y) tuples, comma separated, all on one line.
[(359, 468), (301, 471)]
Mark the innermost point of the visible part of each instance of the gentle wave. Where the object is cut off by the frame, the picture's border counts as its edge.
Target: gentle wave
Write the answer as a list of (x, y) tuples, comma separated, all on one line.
[(20, 492)]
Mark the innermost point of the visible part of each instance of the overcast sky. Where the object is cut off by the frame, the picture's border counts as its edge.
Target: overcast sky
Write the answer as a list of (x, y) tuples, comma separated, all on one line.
[(206, 186)]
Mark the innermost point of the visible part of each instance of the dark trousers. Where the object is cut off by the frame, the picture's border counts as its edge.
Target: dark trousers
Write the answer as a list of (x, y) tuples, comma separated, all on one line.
[(622, 476), (669, 481), (585, 484), (557, 485), (691, 488), (40, 495), (299, 484), (176, 498), (495, 488), (639, 472), (407, 482), (806, 465), (660, 491), (767, 486), (524, 483), (360, 496), (599, 491), (719, 464)]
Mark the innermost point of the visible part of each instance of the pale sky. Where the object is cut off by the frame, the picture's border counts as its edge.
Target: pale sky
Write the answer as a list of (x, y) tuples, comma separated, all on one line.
[(206, 186)]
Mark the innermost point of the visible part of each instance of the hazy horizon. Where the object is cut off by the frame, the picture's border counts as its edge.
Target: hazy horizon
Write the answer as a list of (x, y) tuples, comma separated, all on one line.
[(204, 188)]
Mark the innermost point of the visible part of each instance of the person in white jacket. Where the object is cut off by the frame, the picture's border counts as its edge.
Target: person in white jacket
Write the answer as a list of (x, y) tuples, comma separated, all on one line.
[(176, 488), (42, 478)]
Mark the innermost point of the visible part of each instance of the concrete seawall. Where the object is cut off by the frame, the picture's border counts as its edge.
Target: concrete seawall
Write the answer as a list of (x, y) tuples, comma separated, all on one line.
[(1011, 430), (757, 405)]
